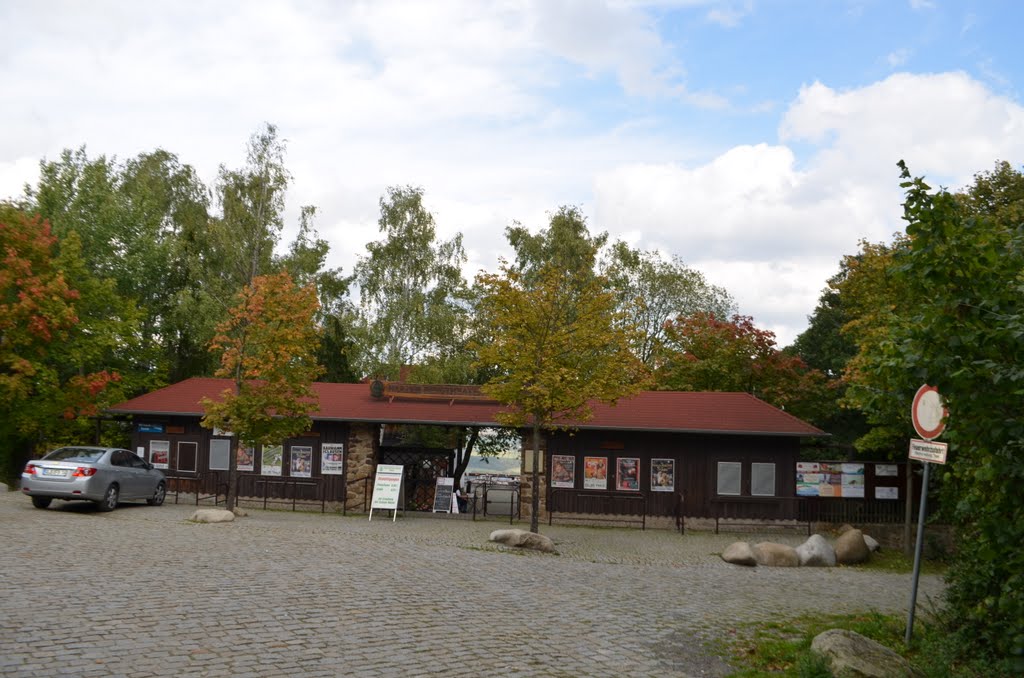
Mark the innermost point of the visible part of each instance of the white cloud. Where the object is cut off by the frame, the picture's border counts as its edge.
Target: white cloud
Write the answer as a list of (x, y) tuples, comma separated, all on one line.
[(772, 228), (898, 57)]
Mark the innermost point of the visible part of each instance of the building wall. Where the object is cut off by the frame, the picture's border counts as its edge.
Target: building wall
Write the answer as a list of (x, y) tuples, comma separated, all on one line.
[(182, 448), (692, 459)]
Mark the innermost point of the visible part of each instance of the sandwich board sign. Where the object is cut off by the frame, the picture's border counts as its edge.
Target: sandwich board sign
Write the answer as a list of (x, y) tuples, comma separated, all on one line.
[(443, 495), (387, 489)]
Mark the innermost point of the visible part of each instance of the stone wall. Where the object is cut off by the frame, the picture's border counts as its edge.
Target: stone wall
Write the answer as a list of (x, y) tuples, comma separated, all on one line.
[(526, 476), (363, 440)]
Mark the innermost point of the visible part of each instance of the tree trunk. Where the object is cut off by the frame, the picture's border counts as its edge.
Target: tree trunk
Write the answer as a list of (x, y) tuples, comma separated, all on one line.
[(464, 454), (535, 503)]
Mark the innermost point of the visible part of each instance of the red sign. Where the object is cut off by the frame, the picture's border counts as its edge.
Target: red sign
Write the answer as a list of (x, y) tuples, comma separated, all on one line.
[(928, 413)]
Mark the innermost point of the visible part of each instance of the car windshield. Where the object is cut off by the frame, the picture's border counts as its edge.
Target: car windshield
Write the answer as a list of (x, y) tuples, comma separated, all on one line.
[(79, 454)]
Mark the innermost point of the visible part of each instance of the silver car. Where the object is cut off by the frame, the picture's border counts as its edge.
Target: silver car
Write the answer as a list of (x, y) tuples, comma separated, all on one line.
[(104, 475)]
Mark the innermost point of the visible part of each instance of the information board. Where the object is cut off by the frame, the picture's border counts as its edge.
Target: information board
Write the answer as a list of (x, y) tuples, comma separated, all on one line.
[(928, 451), (387, 488), (443, 495)]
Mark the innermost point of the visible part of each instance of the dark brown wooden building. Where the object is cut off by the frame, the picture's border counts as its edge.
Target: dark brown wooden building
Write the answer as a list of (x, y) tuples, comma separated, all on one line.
[(671, 452)]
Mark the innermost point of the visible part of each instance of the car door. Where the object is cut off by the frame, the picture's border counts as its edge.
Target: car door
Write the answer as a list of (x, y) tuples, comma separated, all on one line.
[(128, 477)]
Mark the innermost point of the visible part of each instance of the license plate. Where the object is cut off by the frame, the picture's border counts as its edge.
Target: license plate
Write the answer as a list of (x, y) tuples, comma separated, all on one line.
[(55, 472)]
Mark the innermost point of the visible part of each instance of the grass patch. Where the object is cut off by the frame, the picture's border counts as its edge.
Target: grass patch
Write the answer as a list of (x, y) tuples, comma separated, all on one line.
[(891, 560), (784, 647)]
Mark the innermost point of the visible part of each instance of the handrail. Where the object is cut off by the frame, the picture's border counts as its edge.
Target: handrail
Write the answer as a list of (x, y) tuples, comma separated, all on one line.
[(597, 494), (296, 483), (366, 495)]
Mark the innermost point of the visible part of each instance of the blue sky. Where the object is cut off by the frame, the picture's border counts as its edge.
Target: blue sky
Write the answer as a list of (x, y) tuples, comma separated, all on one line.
[(756, 140)]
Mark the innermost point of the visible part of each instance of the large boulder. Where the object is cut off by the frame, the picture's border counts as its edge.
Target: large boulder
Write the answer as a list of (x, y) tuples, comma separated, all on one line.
[(851, 655), (851, 549), (771, 554), (844, 528), (523, 539), (816, 552), (872, 543), (212, 516), (739, 553)]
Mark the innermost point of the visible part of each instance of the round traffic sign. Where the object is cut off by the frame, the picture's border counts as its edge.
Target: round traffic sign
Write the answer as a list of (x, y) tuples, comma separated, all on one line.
[(928, 413)]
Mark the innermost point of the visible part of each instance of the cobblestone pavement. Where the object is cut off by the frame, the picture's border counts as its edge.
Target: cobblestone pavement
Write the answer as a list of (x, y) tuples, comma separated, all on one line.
[(142, 592)]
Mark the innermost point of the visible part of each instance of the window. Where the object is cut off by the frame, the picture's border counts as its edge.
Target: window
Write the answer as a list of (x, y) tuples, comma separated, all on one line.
[(762, 480), (729, 474), (187, 456), (220, 451)]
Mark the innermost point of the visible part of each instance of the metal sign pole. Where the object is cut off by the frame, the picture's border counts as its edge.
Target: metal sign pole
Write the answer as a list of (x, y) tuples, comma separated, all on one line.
[(917, 555)]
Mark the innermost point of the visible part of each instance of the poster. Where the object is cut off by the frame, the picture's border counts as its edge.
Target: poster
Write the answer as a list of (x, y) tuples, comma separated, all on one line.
[(595, 473), (887, 493), (809, 484), (853, 481), (563, 470), (159, 453), (302, 461), (246, 457), (270, 464), (663, 475), (332, 459), (808, 467), (627, 474), (886, 470)]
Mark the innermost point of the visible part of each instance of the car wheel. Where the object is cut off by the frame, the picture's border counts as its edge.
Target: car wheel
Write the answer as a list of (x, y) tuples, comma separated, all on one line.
[(109, 501), (158, 496), (41, 502)]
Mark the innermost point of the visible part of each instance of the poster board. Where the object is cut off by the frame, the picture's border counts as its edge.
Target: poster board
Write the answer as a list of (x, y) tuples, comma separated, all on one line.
[(627, 474), (443, 495), (595, 473), (663, 475), (332, 459), (387, 488), (159, 453), (563, 470)]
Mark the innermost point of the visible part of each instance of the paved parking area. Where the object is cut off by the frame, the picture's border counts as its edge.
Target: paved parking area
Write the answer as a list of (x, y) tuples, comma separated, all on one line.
[(142, 592)]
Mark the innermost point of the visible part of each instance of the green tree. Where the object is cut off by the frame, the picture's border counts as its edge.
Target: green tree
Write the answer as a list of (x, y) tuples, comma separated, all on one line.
[(703, 353), (651, 291), (823, 346), (566, 243), (964, 267), (557, 345), (267, 348), (412, 294)]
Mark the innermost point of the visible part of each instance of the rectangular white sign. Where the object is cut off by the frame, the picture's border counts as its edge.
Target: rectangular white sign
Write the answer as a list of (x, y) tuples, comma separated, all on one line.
[(923, 450), (387, 486)]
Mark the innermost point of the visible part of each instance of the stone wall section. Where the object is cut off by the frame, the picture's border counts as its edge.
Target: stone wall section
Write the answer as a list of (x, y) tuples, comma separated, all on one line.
[(526, 475), (363, 442)]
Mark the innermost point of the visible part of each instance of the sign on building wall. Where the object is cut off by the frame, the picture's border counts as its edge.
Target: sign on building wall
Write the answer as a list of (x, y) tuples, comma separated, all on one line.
[(663, 475), (563, 470), (271, 460), (332, 459), (595, 473), (159, 453), (301, 461), (627, 474), (245, 458), (829, 479)]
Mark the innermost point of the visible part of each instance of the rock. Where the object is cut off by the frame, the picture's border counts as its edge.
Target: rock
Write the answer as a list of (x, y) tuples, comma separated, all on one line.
[(212, 516), (524, 539), (872, 543), (739, 553), (851, 549), (844, 528), (816, 552), (851, 654), (240, 512), (776, 555)]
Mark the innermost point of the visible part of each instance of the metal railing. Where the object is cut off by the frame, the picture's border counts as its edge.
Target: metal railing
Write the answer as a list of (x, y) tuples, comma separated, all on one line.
[(365, 480), (295, 484), (619, 507)]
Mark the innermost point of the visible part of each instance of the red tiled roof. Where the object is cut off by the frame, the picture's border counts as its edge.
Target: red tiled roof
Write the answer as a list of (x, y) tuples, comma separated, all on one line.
[(704, 412)]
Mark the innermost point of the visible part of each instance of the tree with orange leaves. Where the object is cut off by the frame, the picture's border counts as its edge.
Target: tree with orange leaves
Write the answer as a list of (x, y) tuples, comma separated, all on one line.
[(42, 380), (267, 347)]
